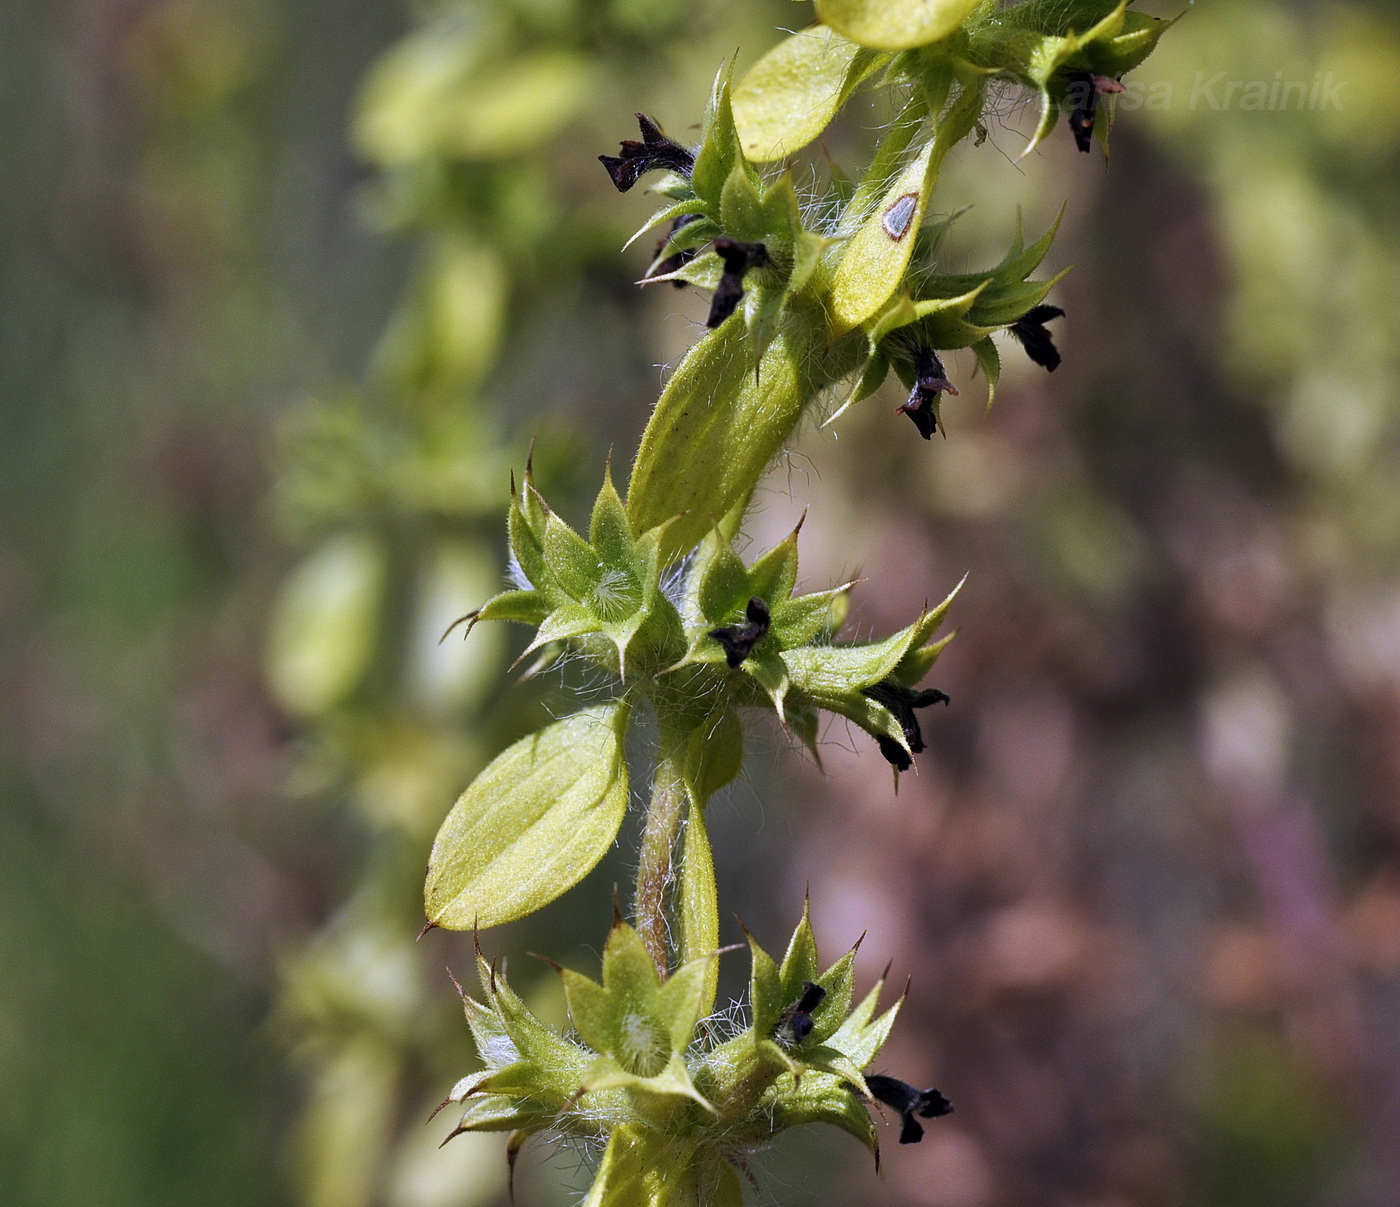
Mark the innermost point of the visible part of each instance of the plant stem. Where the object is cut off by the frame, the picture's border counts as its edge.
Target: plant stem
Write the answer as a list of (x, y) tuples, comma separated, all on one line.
[(654, 873)]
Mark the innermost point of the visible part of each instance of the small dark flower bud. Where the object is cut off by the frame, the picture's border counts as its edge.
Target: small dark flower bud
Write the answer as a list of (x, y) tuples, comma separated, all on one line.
[(738, 259), (796, 1022), (908, 1101), (679, 259), (654, 151), (739, 639), (1082, 100), (1029, 330), (902, 701), (931, 380)]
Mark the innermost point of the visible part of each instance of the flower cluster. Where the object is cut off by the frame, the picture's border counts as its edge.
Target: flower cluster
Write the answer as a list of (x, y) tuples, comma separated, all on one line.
[(678, 1107)]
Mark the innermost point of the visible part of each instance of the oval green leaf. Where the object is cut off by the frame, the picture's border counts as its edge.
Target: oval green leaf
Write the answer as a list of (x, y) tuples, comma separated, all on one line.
[(788, 96), (895, 24), (533, 824)]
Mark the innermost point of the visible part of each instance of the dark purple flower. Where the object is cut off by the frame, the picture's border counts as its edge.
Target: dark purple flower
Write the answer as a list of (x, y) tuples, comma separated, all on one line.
[(739, 639), (796, 1022), (654, 151), (738, 259), (903, 1097), (930, 380), (1029, 330), (1082, 100), (902, 701)]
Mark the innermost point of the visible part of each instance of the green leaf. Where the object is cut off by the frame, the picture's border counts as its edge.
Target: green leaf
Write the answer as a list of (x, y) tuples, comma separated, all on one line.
[(895, 24), (873, 263), (698, 913), (525, 524), (791, 94), (641, 1168), (774, 575), (556, 1059), (608, 530), (990, 361), (523, 607), (800, 962), (822, 1098), (690, 467), (714, 754), (740, 207), (765, 989), (569, 561), (839, 983), (719, 150), (805, 617), (533, 824)]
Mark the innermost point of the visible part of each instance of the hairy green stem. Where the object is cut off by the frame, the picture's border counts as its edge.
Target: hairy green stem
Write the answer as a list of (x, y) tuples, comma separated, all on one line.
[(664, 813)]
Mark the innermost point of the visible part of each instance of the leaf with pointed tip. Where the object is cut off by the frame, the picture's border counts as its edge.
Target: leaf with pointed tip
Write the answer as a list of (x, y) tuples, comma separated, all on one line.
[(572, 620), (839, 983), (532, 824), (771, 674), (569, 562), (525, 528), (800, 962), (669, 213), (989, 359), (822, 1098), (719, 150), (765, 989), (502, 1113), (830, 1060), (673, 1081), (829, 671), (523, 607), (803, 618), (723, 587), (741, 211), (608, 530), (529, 1039)]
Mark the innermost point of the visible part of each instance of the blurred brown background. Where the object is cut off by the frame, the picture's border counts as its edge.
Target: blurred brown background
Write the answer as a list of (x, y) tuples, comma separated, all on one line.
[(285, 288)]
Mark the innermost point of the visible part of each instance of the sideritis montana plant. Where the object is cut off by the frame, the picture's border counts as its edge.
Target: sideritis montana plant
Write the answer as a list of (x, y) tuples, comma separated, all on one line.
[(654, 594)]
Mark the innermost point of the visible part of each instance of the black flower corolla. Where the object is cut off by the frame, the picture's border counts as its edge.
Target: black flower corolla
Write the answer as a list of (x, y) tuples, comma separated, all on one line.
[(738, 259), (796, 1022), (908, 1101), (902, 701), (1082, 99), (654, 151), (1029, 330), (739, 639), (679, 259), (930, 380)]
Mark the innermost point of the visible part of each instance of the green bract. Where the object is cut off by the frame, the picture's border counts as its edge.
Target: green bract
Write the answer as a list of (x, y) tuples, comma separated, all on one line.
[(682, 1107)]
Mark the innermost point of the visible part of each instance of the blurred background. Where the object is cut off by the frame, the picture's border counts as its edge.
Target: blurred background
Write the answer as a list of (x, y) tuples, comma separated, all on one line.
[(287, 288)]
